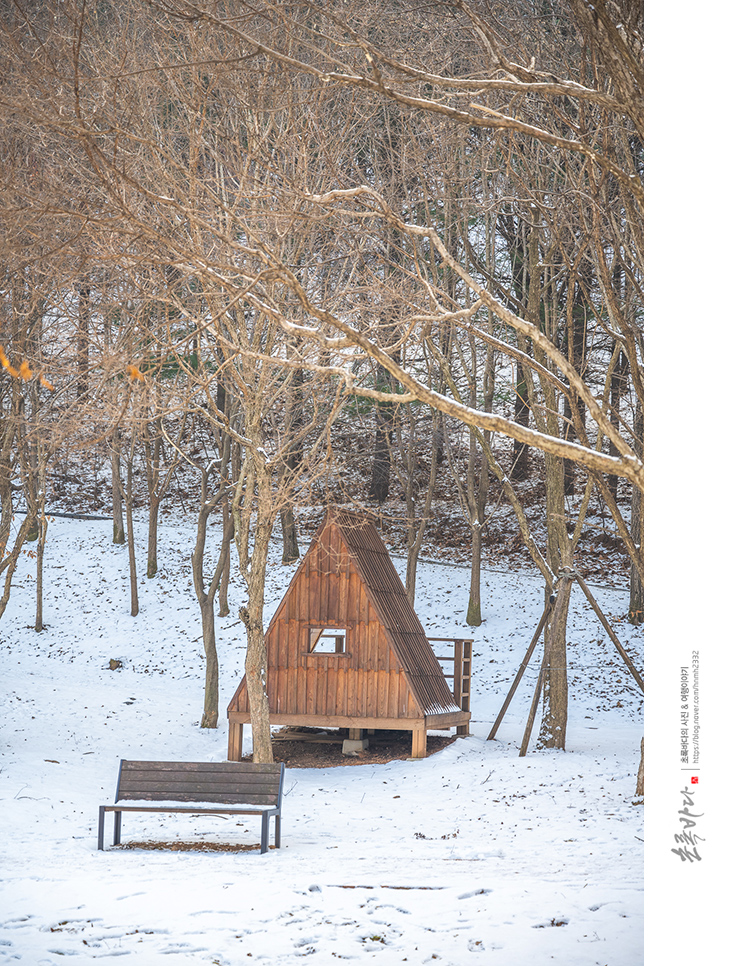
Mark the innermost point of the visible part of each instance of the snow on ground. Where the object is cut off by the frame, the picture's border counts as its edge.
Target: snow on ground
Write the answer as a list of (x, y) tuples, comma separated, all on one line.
[(471, 855)]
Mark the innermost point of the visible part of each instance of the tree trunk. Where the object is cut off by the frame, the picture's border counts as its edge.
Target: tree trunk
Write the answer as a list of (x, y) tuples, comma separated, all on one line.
[(134, 609), (33, 529), (439, 437), (577, 323), (474, 609), (206, 597), (380, 478), (256, 656), (640, 775), (294, 454), (84, 338), (40, 550), (210, 701), (255, 483), (256, 687), (117, 490), (134, 596), (555, 690), (520, 452), (152, 528), (411, 567), (416, 519), (10, 561), (618, 378), (415, 536), (636, 591), (223, 607), (476, 500), (478, 490), (553, 728), (568, 465), (43, 529), (290, 548)]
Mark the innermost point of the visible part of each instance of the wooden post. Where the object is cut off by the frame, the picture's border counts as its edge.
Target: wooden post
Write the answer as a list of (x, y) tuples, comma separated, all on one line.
[(355, 734), (461, 678), (235, 741), (418, 744), (465, 681), (458, 671)]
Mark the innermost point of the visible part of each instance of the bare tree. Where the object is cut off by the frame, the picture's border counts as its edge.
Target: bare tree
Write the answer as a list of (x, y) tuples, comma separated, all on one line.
[(204, 156), (206, 595)]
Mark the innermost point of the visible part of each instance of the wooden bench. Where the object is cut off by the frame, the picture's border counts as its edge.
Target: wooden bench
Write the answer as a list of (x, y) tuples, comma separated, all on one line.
[(218, 788)]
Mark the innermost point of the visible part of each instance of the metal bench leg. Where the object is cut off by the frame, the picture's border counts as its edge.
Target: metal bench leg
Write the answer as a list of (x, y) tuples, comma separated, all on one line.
[(277, 832), (102, 815), (117, 828), (265, 833)]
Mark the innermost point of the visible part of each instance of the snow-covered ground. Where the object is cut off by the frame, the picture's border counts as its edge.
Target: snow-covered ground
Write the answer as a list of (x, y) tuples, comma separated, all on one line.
[(471, 855)]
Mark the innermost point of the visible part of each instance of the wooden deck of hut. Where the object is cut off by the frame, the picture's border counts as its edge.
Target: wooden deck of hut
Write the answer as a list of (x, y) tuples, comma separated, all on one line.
[(346, 649)]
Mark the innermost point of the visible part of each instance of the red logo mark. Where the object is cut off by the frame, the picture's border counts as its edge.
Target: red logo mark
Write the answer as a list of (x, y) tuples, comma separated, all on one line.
[(695, 780)]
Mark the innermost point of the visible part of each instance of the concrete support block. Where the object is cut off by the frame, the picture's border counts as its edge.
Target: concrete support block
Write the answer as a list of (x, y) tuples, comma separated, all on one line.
[(351, 746)]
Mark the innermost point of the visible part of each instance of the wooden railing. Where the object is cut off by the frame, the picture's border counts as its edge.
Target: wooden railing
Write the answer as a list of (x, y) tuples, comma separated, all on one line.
[(460, 660)]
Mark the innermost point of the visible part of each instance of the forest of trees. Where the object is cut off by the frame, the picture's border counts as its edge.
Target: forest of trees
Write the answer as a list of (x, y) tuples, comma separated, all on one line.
[(269, 241)]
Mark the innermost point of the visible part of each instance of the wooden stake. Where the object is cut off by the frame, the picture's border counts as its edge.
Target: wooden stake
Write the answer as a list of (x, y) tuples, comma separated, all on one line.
[(523, 667), (543, 668), (609, 631), (533, 709)]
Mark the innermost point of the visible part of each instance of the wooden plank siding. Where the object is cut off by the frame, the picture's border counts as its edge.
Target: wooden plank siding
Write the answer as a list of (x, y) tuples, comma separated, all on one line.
[(337, 692), (388, 670)]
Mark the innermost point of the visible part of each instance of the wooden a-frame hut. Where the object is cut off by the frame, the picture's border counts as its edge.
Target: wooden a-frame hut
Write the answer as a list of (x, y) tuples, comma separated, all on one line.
[(346, 649)]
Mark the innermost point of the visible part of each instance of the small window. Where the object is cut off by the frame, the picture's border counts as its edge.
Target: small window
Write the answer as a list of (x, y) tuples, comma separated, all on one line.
[(327, 640)]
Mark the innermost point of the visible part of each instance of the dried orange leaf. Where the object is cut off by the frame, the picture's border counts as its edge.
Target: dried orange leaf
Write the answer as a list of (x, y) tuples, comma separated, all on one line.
[(5, 362)]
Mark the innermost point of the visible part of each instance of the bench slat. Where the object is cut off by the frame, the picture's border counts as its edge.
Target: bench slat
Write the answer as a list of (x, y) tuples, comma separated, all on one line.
[(235, 788), (199, 767), (212, 778), (201, 810), (165, 795)]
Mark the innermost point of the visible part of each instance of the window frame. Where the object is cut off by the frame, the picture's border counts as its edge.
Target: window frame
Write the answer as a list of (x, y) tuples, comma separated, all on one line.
[(327, 631)]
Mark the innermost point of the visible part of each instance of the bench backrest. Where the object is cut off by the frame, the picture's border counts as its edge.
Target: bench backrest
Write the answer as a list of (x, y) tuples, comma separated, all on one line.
[(224, 782)]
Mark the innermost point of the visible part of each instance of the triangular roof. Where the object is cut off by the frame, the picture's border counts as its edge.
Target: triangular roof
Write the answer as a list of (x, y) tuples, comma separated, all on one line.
[(389, 599)]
